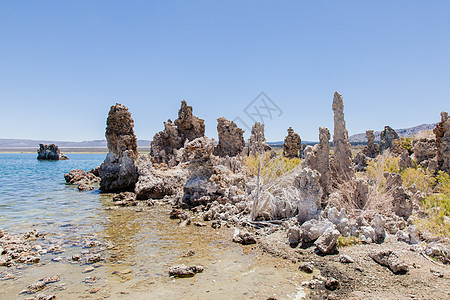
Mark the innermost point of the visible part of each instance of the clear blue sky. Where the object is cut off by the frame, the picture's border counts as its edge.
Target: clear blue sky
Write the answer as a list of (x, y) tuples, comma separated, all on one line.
[(64, 63)]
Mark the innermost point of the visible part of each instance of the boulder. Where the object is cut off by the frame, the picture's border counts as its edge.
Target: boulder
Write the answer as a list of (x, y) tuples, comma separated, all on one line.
[(327, 242), (389, 259), (310, 194), (313, 229)]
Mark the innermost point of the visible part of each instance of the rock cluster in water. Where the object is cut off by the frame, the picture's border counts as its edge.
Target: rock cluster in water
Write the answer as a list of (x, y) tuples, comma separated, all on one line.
[(50, 152)]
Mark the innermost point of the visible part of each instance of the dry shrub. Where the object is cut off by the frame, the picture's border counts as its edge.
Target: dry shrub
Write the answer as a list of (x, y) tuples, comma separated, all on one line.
[(376, 168), (422, 179), (269, 167), (347, 241), (275, 196), (437, 208)]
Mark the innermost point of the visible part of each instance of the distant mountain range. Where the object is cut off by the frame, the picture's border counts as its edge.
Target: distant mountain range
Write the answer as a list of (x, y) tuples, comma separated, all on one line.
[(20, 143), (355, 139), (406, 132)]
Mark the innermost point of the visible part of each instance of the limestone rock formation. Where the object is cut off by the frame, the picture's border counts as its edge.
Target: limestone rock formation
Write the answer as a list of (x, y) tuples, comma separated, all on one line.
[(83, 179), (318, 158), (442, 132), (405, 161), (388, 136), (156, 182), (257, 142), (118, 172), (165, 145), (310, 194), (209, 181), (292, 144), (342, 162), (231, 138), (50, 152), (371, 150)]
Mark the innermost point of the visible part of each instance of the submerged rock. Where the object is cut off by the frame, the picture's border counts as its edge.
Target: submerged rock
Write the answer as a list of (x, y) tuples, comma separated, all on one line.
[(118, 172), (50, 152)]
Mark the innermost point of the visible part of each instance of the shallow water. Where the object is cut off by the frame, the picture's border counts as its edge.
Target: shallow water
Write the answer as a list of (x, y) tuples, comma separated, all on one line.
[(141, 244)]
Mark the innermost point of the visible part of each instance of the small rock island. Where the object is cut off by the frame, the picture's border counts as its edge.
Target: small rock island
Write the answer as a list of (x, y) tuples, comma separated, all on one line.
[(50, 152)]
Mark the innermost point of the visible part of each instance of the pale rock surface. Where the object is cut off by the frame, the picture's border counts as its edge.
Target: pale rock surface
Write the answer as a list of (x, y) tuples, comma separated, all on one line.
[(156, 182), (310, 194), (311, 230), (389, 259), (326, 243), (318, 158)]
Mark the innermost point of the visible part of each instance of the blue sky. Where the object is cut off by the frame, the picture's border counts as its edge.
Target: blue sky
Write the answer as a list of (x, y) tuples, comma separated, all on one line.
[(64, 63)]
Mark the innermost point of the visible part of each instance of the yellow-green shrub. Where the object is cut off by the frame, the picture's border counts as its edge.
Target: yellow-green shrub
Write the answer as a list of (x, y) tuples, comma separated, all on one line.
[(423, 179), (347, 241), (384, 163), (270, 167), (437, 208)]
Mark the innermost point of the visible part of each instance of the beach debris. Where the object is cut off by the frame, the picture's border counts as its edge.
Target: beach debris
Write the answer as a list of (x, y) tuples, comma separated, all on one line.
[(50, 152), (185, 271), (306, 267)]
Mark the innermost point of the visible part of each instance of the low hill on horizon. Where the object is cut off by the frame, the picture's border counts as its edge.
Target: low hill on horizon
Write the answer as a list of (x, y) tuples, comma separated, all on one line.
[(405, 132), (26, 143)]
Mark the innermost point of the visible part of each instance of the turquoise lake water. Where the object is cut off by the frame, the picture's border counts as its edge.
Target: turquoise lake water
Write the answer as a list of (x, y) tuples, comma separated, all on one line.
[(34, 193)]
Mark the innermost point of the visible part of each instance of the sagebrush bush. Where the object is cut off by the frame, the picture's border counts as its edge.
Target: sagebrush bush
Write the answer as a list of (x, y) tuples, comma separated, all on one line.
[(437, 208), (384, 163), (270, 167), (406, 144), (347, 241), (422, 179)]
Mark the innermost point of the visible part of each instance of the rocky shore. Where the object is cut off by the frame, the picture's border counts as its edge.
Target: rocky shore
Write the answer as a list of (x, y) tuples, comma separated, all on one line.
[(361, 224)]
